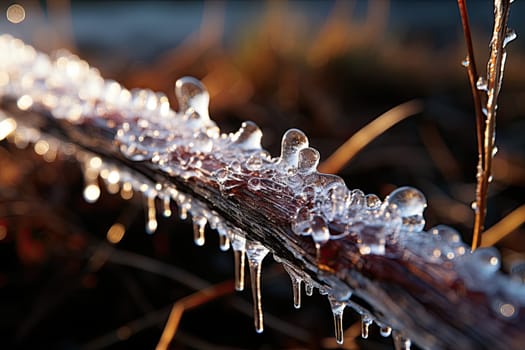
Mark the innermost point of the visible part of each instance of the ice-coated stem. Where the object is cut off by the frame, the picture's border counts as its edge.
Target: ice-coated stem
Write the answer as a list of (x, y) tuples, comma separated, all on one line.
[(410, 285)]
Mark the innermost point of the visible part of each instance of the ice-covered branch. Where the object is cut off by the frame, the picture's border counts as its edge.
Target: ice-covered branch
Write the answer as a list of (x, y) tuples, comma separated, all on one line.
[(371, 255)]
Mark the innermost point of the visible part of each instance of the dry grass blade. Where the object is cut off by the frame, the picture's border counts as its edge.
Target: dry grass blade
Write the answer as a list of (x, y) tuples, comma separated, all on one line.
[(504, 227), (367, 134), (196, 299)]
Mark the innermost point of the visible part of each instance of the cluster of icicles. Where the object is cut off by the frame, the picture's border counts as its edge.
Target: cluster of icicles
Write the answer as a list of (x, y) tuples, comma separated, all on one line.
[(183, 144)]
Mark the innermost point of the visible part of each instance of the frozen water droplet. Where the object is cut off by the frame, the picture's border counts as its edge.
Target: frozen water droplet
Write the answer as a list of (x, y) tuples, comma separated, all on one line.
[(248, 137), (301, 223), (151, 223), (414, 223), (509, 36), (293, 141), (238, 243), (357, 199), (192, 95), (372, 201), (366, 321), (400, 342), (199, 226), (385, 331), (167, 208), (474, 205), (337, 310), (254, 183), (296, 285), (319, 229), (256, 161), (224, 242), (408, 201), (494, 151), (308, 160), (309, 289), (466, 62), (256, 252), (481, 84)]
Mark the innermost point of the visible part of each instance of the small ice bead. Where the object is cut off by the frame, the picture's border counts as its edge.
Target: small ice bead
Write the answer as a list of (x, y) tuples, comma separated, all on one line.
[(357, 199), (302, 221), (414, 223), (408, 201), (335, 202), (320, 231), (192, 94), (372, 201), (308, 160), (292, 142), (248, 137)]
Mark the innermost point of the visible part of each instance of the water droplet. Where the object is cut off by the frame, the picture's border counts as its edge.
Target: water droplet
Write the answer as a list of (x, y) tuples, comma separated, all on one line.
[(481, 84), (238, 243), (337, 310), (248, 137), (414, 223), (296, 285), (192, 95), (308, 160), (509, 36), (301, 223), (256, 252), (408, 201), (385, 331), (151, 221), (292, 142), (199, 226), (366, 321), (474, 205)]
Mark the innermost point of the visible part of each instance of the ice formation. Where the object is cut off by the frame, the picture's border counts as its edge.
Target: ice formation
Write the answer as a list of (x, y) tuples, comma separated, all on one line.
[(188, 144)]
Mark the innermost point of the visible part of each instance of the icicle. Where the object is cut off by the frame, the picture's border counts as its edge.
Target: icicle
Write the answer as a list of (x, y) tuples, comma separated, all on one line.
[(199, 225), (309, 289), (296, 285), (126, 192), (167, 208), (366, 321), (385, 331), (400, 342), (256, 252), (224, 242), (337, 310), (151, 224), (238, 243)]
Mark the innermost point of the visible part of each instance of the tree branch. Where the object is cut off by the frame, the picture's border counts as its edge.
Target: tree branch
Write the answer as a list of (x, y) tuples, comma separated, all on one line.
[(364, 253)]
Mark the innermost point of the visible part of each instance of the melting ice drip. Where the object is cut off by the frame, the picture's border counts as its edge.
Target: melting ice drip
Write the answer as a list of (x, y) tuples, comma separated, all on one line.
[(188, 144)]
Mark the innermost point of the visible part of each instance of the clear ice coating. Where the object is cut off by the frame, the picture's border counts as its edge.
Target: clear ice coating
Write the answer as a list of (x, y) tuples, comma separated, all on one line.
[(187, 144), (256, 252)]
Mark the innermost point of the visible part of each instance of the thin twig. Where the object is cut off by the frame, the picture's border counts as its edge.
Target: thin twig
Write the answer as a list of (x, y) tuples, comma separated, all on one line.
[(368, 133), (494, 77)]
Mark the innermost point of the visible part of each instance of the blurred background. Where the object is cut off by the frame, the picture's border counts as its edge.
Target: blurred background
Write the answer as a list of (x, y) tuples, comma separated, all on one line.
[(326, 67)]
